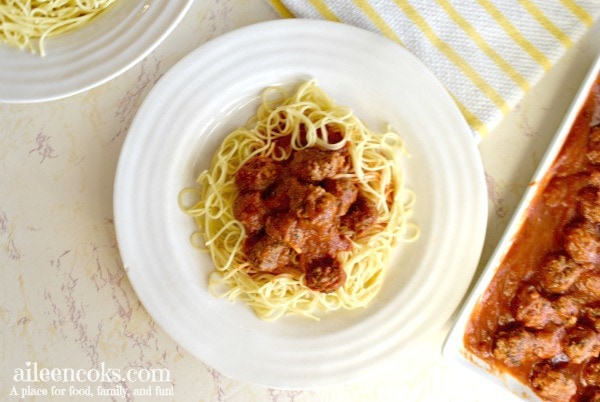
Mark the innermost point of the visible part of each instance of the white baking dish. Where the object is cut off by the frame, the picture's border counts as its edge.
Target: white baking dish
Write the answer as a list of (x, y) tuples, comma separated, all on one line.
[(454, 349)]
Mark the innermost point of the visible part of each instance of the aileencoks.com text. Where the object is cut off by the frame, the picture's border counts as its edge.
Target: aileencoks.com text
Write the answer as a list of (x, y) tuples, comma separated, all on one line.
[(33, 380), (33, 374)]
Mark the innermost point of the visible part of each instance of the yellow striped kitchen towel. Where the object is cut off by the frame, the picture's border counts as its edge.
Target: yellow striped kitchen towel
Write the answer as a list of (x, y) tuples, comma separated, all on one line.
[(488, 53)]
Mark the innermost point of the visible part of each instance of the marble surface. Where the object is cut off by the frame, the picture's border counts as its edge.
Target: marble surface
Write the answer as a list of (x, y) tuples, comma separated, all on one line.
[(65, 300)]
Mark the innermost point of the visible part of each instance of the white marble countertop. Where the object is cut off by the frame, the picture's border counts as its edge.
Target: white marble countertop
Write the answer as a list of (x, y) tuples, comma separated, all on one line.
[(65, 298)]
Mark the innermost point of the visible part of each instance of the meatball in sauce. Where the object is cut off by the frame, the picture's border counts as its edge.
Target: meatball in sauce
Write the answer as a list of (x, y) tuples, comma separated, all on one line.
[(300, 213)]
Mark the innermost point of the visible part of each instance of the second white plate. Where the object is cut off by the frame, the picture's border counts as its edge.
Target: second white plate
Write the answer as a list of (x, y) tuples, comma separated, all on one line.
[(90, 55)]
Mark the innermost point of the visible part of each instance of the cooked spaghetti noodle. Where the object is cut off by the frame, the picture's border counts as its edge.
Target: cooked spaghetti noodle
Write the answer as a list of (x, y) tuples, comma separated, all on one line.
[(376, 167), (24, 21)]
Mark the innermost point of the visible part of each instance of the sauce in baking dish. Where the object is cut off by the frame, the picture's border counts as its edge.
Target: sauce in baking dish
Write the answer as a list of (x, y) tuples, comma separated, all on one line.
[(539, 319)]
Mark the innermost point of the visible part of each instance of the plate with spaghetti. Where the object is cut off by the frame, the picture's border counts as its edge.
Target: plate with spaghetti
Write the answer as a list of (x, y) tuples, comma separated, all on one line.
[(294, 222), (53, 49)]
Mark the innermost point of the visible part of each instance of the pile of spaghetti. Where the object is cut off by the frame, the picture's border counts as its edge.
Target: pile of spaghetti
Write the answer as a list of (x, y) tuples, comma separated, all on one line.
[(280, 138), (24, 21)]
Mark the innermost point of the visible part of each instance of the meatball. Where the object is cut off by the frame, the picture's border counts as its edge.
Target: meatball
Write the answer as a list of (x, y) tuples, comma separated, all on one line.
[(318, 206), (534, 310), (257, 174), (277, 197), (304, 236), (552, 384), (587, 286), (286, 228), (548, 342), (345, 192), (559, 273), (361, 216), (316, 165), (594, 156), (325, 275), (589, 204), (582, 344), (306, 201), (269, 255), (582, 242), (568, 308), (514, 347), (250, 209)]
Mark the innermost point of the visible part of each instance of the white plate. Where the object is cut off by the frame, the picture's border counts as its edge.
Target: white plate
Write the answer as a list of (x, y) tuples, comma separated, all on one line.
[(215, 89), (89, 55), (454, 349)]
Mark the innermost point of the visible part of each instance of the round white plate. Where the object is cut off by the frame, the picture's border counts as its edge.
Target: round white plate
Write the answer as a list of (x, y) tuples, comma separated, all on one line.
[(215, 89), (89, 55)]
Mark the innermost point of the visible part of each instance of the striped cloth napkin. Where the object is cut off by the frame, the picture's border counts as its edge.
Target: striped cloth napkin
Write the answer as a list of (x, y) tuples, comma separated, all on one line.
[(488, 53)]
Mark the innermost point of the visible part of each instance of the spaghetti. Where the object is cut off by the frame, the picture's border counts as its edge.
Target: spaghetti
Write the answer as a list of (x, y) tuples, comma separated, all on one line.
[(24, 21), (304, 120)]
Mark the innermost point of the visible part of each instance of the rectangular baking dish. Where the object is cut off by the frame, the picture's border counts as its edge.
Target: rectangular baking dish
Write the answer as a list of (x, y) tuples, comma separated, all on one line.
[(454, 349)]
